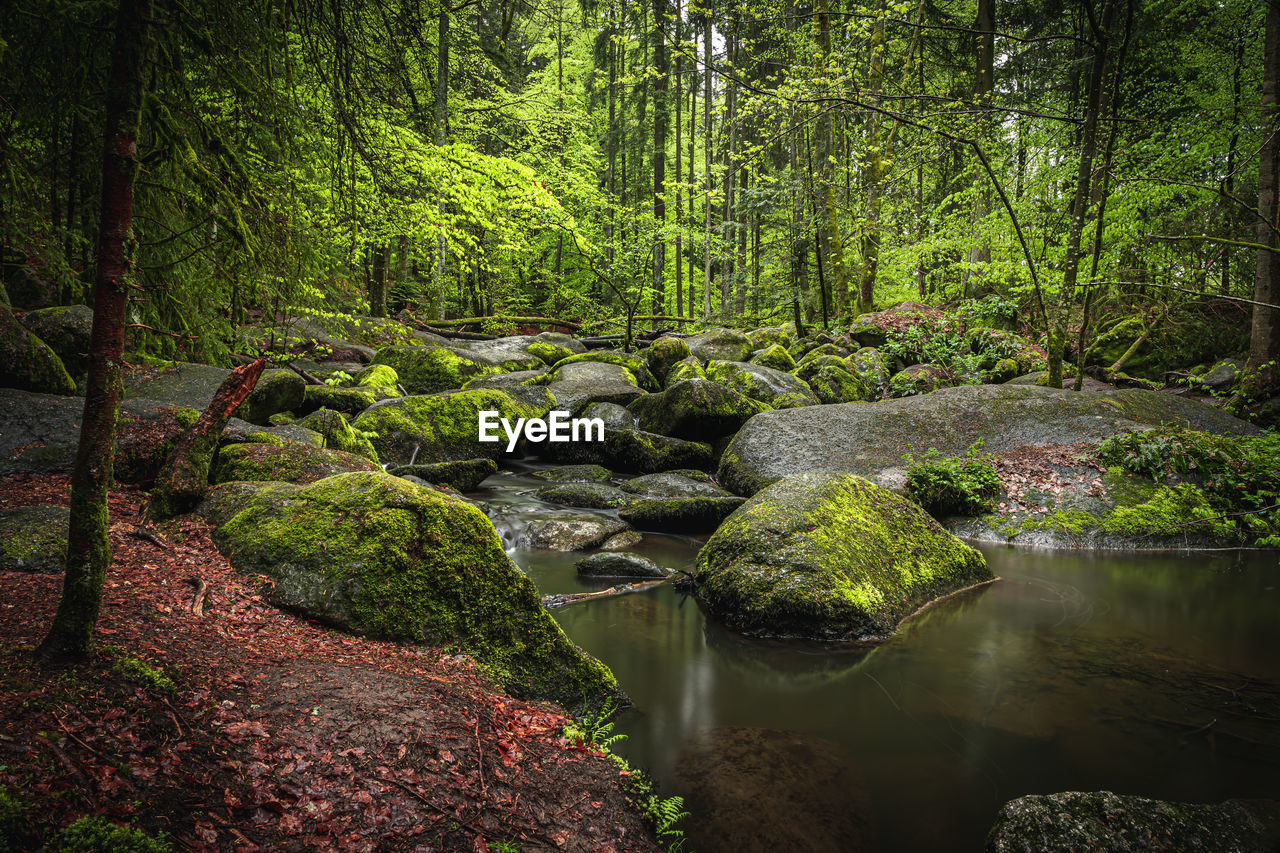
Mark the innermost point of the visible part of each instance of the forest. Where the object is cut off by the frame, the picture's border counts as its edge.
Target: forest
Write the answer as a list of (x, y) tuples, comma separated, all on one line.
[(928, 350)]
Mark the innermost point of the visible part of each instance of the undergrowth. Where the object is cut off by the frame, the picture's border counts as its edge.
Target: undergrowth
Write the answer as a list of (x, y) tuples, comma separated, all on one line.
[(965, 485)]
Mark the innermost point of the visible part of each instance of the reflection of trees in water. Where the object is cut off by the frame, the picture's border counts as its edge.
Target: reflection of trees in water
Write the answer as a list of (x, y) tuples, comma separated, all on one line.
[(757, 789)]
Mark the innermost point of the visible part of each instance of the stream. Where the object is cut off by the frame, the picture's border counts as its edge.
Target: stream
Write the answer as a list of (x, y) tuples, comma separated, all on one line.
[(1154, 675)]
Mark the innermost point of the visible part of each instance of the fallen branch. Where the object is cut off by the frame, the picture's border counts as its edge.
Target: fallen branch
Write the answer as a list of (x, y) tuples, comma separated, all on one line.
[(456, 334), (145, 534), (519, 321), (553, 601), (202, 592), (311, 378)]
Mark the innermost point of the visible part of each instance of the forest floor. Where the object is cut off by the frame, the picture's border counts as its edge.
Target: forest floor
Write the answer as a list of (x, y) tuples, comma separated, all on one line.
[(277, 733)]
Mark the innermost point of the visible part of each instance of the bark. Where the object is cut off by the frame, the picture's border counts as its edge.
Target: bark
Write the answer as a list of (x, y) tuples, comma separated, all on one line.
[(679, 162), (984, 84), (88, 546), (693, 150), (442, 137), (662, 69), (378, 282), (706, 151), (1264, 333), (730, 179), (874, 176), (184, 478), (1229, 182), (612, 143)]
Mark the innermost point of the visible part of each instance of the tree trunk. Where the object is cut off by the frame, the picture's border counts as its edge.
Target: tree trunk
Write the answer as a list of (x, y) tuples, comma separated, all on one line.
[(184, 479), (1264, 334), (693, 150), (874, 175), (983, 85), (829, 228), (378, 282), (661, 69), (442, 138), (1229, 182), (679, 30), (706, 161), (612, 144), (88, 546)]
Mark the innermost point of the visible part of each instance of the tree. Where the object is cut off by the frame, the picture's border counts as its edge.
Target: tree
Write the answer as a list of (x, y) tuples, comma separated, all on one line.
[(1264, 337)]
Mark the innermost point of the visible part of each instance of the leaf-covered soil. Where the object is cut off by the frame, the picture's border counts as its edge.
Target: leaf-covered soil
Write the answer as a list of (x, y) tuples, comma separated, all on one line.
[(281, 734)]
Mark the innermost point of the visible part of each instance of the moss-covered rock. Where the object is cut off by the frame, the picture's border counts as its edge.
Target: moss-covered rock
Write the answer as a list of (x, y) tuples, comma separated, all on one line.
[(720, 345), (145, 435), (633, 364), (464, 475), (444, 427), (832, 382), (28, 363), (243, 432), (775, 357), (350, 400), (514, 379), (619, 564), (586, 495), (66, 329), (698, 514), (1103, 821), (570, 531), (549, 353), (290, 463), (338, 434), (770, 336), (689, 368), (829, 556), (919, 379), (577, 383), (373, 554), (378, 376), (648, 453), (695, 409), (674, 484), (873, 367), (176, 383), (276, 391), (574, 474), (821, 351), (665, 352), (611, 415), (34, 538), (774, 388), (427, 370)]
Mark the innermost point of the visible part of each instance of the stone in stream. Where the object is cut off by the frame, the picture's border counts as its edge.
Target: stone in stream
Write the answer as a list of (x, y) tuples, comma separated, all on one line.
[(646, 453), (679, 515), (287, 463), (570, 531), (1103, 821), (757, 790), (586, 495), (622, 541), (28, 363), (870, 440), (34, 538), (674, 484), (828, 556), (375, 555), (619, 564), (696, 409), (573, 474), (464, 475), (775, 388)]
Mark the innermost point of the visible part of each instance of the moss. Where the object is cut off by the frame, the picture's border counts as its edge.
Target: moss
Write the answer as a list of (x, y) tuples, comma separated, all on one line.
[(13, 821), (634, 363), (1170, 511), (379, 556), (465, 475), (689, 368), (289, 463), (679, 515), (645, 453), (143, 675), (378, 376), (338, 434), (426, 370), (264, 438), (351, 400), (549, 353), (34, 538), (821, 351), (99, 835), (589, 495), (831, 380), (664, 353), (775, 357), (29, 363)]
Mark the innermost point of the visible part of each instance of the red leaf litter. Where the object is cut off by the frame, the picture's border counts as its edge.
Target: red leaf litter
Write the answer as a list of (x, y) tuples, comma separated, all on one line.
[(283, 734)]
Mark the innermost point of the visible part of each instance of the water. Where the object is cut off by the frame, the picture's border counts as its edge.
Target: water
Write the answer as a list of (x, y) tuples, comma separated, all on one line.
[(1151, 675)]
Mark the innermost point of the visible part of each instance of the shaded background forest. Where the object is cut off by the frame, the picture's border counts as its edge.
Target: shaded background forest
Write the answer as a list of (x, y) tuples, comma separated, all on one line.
[(738, 162)]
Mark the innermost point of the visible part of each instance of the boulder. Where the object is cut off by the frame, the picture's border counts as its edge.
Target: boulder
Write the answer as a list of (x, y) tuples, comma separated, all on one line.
[(873, 329), (570, 531), (647, 453), (444, 427), (775, 357), (670, 484), (430, 369), (464, 475), (774, 388), (514, 379), (698, 514), (664, 353), (619, 564), (1103, 821), (689, 368), (549, 353), (276, 391), (353, 400), (66, 329), (770, 336), (720, 345), (577, 384), (870, 440), (372, 554), (919, 379), (611, 414), (829, 556), (146, 432), (622, 541), (28, 291), (28, 363), (34, 539), (823, 350), (634, 364), (177, 383), (586, 495), (870, 365), (378, 376), (695, 409), (243, 432), (338, 434), (573, 474), (287, 463), (832, 381)]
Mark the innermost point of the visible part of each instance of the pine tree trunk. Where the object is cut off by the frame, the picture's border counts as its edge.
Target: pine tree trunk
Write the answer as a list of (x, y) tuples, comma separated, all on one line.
[(70, 636), (706, 162), (1264, 333), (660, 66), (679, 259), (442, 137)]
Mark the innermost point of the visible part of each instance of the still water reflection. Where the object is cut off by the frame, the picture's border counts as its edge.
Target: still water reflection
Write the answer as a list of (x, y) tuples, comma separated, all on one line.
[(1155, 675)]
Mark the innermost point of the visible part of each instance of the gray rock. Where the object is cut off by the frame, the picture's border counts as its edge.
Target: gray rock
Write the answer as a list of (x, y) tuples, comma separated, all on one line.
[(28, 363), (699, 514), (622, 541), (665, 352), (179, 384), (613, 415), (1115, 823), (619, 564), (276, 391), (670, 484), (573, 474), (570, 531), (775, 388), (586, 495), (647, 453), (465, 475), (720, 345), (514, 379), (243, 432), (66, 329), (696, 409), (34, 538), (866, 439)]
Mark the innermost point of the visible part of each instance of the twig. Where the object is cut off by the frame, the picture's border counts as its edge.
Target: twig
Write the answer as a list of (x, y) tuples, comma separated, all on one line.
[(202, 591), (68, 733), (70, 766), (143, 532), (311, 378)]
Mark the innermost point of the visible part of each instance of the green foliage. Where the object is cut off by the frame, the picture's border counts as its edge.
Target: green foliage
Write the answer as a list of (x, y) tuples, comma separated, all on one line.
[(99, 835), (952, 486), (338, 378), (13, 820), (143, 675), (594, 729)]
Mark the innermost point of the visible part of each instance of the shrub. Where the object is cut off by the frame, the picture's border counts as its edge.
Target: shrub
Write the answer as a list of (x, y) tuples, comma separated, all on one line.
[(99, 835), (957, 486)]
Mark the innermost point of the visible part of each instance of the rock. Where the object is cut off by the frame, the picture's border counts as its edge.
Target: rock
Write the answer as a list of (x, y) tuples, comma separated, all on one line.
[(774, 388), (1219, 377), (919, 379), (1103, 821), (66, 330), (288, 463), (573, 474), (633, 364), (243, 432), (444, 427), (695, 409), (720, 345), (28, 363), (823, 350), (276, 391), (178, 384), (570, 531), (34, 539), (577, 384), (531, 351), (775, 357), (464, 475), (670, 484), (613, 415), (587, 495), (549, 353), (378, 376), (514, 379), (829, 556), (869, 439), (225, 501), (832, 382), (28, 291), (146, 433), (622, 541), (679, 515), (338, 434), (372, 554), (664, 353), (430, 369), (601, 372), (689, 368), (619, 564), (350, 400), (769, 336), (870, 365), (647, 453), (873, 329)]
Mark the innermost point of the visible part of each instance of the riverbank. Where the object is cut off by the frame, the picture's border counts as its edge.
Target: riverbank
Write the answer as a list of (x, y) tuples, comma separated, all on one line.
[(249, 728)]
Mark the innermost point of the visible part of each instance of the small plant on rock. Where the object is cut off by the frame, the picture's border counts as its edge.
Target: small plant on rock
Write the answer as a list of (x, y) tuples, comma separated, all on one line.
[(966, 485)]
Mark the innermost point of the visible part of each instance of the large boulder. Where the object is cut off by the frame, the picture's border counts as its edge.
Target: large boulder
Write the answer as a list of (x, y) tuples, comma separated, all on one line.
[(665, 352), (276, 391), (830, 556), (178, 383), (381, 557), (28, 363), (34, 538), (66, 329), (697, 514), (776, 357), (579, 384), (775, 388), (428, 369), (832, 381), (570, 531), (464, 475), (648, 453), (720, 345), (688, 368), (696, 409), (338, 434), (1117, 823), (770, 336), (352, 400), (634, 364), (870, 439), (289, 462), (445, 427), (619, 564)]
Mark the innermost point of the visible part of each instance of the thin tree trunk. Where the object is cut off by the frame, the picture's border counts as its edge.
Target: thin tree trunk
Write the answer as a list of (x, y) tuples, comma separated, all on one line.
[(706, 161), (612, 143), (874, 175), (378, 282), (442, 137), (984, 84), (70, 636), (661, 69), (1264, 333), (693, 150), (1229, 182), (679, 30), (829, 228)]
